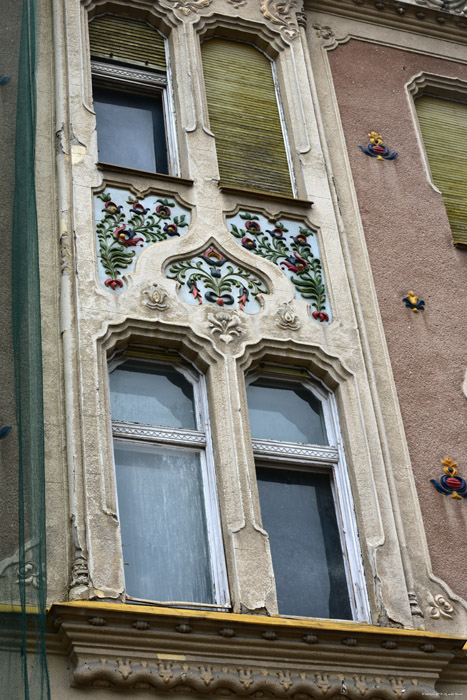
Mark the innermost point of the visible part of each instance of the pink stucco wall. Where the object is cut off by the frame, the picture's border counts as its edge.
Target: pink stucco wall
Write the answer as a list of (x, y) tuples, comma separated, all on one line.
[(410, 248)]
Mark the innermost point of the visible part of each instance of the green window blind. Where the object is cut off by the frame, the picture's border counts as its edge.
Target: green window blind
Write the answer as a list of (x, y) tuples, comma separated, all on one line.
[(444, 129), (244, 117), (128, 40)]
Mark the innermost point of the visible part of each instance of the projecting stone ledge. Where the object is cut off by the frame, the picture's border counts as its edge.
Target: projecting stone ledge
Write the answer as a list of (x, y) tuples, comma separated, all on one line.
[(134, 648)]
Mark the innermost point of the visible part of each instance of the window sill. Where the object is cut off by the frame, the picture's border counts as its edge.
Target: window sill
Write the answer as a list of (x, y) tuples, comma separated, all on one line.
[(109, 168), (214, 652), (257, 194)]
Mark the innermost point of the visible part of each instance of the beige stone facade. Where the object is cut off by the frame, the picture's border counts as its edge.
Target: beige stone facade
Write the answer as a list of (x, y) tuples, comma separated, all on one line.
[(344, 68)]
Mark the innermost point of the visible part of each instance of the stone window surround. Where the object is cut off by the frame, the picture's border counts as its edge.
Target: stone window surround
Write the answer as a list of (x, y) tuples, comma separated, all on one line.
[(199, 438), (435, 86), (388, 578)]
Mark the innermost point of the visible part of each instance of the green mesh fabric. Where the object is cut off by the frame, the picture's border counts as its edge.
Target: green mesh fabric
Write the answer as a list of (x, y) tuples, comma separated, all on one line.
[(23, 663)]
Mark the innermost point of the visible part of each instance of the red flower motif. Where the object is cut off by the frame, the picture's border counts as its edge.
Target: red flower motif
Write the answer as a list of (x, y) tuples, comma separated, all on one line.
[(248, 243), (162, 210), (320, 316), (252, 226), (113, 283), (126, 236), (295, 263)]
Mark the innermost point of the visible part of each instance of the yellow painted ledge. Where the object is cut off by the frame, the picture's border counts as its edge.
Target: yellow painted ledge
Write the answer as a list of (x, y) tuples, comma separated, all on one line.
[(231, 618)]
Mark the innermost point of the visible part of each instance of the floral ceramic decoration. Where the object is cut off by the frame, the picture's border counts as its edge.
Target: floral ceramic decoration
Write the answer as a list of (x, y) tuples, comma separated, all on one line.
[(126, 225), (293, 247)]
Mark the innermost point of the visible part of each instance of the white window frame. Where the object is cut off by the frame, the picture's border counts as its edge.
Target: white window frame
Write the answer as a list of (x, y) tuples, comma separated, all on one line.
[(147, 435), (115, 74), (320, 459)]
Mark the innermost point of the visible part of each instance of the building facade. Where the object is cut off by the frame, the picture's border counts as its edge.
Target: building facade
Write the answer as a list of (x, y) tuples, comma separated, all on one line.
[(248, 226)]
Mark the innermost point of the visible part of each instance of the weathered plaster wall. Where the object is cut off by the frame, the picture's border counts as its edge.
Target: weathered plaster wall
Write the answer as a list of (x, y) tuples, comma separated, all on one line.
[(410, 248)]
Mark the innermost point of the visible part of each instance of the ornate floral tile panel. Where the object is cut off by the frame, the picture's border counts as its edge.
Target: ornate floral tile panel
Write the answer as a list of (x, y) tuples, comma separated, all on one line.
[(211, 278), (294, 248), (126, 225)]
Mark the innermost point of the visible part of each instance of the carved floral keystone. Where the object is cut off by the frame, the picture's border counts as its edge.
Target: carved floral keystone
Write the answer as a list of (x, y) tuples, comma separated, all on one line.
[(285, 318), (156, 297), (226, 325)]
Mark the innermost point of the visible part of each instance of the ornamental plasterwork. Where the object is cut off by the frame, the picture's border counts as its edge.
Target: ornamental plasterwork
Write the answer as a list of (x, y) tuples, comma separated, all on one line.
[(457, 6), (439, 607), (155, 297), (226, 325), (126, 225), (188, 7), (282, 14), (286, 318), (208, 679)]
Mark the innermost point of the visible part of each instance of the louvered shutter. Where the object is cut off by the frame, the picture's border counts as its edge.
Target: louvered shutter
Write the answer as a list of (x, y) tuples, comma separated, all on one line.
[(444, 129), (128, 40), (244, 117)]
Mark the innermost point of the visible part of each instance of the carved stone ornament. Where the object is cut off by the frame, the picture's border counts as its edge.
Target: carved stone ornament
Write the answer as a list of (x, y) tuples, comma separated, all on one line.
[(226, 325), (457, 6), (323, 31), (414, 606), (156, 297), (211, 658), (187, 7), (79, 577), (207, 679), (280, 13), (440, 607), (28, 575), (285, 318)]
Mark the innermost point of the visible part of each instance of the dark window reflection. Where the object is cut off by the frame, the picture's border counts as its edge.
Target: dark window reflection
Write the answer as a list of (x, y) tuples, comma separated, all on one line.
[(131, 130), (298, 513)]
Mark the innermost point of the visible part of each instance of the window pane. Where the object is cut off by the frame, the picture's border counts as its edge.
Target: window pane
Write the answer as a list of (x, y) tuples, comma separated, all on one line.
[(130, 130), (163, 523), (298, 512), (151, 394), (285, 412)]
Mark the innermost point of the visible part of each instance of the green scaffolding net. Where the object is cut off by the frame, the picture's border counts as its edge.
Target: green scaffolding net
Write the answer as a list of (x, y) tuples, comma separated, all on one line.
[(23, 662)]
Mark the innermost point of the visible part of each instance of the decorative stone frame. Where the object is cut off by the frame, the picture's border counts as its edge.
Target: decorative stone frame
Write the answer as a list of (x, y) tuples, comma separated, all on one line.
[(332, 460), (92, 321), (436, 86)]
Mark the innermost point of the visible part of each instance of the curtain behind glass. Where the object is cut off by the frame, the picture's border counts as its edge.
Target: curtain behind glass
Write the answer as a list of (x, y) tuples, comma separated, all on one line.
[(163, 523)]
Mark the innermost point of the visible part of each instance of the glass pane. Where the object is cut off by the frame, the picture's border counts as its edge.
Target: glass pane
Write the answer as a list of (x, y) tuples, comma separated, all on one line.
[(163, 523), (298, 512), (130, 130), (151, 394), (285, 412)]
